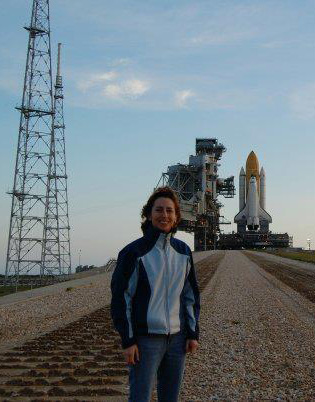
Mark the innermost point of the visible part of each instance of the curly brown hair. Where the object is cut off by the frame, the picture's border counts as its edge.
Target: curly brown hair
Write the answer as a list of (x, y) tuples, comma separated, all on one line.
[(165, 192)]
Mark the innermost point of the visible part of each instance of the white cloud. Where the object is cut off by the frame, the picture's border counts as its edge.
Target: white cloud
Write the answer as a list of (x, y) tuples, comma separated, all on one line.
[(181, 97), (96, 79), (111, 85), (129, 89), (112, 91), (302, 102)]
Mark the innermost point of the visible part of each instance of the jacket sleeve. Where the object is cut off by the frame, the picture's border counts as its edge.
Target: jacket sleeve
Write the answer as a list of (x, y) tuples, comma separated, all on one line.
[(191, 302), (123, 287)]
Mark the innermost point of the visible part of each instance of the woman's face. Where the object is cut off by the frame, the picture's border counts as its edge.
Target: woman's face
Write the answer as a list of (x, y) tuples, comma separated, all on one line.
[(163, 215)]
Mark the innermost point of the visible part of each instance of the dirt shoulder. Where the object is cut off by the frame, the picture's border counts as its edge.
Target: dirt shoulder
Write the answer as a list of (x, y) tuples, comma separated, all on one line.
[(299, 277)]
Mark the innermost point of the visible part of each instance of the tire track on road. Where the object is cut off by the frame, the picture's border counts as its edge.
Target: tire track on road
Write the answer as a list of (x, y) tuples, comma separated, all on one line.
[(303, 281), (80, 362)]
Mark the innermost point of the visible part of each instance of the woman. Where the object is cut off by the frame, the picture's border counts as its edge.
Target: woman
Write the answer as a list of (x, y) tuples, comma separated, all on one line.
[(155, 302)]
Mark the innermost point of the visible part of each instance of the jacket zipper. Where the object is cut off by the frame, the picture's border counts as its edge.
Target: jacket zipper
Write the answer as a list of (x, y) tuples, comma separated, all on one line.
[(167, 313)]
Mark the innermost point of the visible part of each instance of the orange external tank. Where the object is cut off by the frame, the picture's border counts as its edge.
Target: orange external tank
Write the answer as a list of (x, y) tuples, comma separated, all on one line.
[(252, 169)]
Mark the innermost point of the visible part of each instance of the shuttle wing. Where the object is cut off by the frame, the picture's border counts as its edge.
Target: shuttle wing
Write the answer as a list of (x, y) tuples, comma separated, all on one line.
[(243, 214), (263, 214)]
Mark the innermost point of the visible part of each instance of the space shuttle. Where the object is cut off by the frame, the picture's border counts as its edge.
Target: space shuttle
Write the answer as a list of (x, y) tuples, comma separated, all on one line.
[(252, 198)]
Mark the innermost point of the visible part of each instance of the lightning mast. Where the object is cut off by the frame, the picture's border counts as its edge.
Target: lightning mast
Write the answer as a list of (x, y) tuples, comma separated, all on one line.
[(34, 238), (57, 239)]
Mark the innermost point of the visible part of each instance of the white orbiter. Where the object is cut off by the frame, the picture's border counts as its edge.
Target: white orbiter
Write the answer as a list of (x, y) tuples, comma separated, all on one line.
[(252, 198)]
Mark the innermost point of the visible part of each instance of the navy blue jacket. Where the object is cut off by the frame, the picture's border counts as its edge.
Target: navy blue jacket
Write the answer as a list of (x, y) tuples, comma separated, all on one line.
[(154, 288)]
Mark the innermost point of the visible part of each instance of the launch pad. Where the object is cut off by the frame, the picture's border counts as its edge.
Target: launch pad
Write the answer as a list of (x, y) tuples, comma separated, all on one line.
[(253, 239), (198, 186)]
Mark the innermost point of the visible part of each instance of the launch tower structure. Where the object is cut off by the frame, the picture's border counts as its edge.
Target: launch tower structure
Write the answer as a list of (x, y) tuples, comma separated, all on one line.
[(198, 186), (35, 244)]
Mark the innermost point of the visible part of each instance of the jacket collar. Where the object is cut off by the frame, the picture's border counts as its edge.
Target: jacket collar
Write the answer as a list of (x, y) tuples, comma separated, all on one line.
[(155, 235)]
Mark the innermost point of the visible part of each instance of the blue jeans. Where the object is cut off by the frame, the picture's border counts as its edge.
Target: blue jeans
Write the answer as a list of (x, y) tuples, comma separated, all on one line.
[(161, 358)]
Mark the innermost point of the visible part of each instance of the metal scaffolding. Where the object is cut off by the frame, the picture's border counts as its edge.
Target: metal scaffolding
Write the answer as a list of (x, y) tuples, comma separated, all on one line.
[(34, 245), (197, 185)]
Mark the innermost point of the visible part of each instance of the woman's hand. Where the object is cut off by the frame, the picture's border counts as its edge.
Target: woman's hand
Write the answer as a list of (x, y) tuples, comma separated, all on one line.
[(191, 345), (131, 354)]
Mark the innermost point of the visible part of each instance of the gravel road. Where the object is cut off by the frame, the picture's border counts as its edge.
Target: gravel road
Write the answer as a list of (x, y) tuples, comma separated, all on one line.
[(257, 334), (28, 314), (201, 255), (24, 315), (80, 360), (257, 338)]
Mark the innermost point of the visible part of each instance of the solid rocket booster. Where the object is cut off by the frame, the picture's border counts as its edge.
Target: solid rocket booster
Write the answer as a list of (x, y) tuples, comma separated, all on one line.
[(252, 196), (262, 195), (242, 184)]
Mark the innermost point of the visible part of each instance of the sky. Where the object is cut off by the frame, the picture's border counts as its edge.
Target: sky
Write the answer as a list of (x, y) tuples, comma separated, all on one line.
[(144, 78)]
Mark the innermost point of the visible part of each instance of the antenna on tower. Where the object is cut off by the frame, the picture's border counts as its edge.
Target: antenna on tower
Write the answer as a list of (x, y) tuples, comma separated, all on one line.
[(35, 240), (58, 75)]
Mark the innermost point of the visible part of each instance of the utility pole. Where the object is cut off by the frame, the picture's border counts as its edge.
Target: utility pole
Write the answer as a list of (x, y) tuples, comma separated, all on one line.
[(34, 233)]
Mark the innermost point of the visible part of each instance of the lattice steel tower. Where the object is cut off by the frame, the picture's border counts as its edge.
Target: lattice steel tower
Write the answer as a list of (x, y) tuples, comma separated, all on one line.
[(34, 244), (59, 182)]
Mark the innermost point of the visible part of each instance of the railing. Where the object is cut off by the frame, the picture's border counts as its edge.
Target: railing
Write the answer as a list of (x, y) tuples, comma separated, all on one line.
[(110, 265)]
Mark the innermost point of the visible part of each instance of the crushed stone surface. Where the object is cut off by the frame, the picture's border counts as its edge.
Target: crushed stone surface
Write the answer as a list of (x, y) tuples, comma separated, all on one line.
[(257, 335), (25, 315), (53, 308), (257, 338)]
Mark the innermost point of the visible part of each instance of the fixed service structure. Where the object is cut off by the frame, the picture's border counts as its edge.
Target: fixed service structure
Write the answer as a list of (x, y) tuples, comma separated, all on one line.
[(198, 186)]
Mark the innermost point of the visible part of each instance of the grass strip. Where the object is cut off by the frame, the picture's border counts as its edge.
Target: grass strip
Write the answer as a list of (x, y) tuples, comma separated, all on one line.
[(305, 256), (7, 290)]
